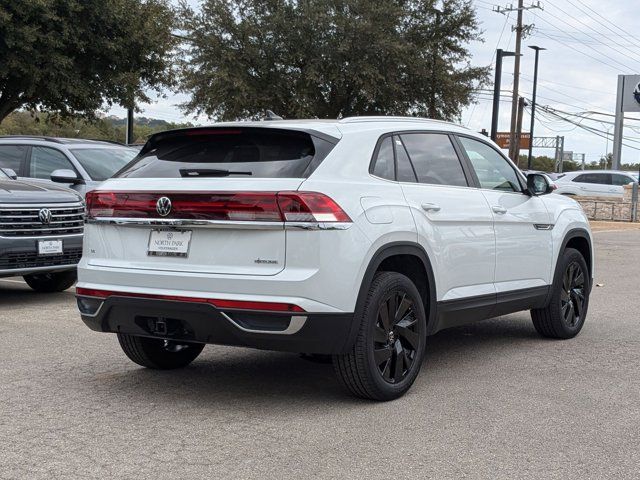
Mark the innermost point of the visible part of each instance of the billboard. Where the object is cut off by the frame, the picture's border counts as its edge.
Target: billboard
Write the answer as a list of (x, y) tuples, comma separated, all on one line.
[(631, 93), (503, 140)]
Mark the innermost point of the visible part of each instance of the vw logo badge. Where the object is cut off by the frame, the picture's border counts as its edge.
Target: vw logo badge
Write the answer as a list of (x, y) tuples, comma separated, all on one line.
[(163, 206), (44, 215)]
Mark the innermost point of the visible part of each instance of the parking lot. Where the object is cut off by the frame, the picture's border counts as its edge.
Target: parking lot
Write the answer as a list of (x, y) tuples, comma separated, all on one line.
[(494, 400)]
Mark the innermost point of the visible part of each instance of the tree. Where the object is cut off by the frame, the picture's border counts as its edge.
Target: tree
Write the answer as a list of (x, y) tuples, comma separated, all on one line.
[(109, 128), (76, 56), (328, 58)]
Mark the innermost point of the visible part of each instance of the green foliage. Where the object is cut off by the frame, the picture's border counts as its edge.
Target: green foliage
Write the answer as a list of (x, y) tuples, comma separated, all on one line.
[(76, 56), (329, 58), (110, 128)]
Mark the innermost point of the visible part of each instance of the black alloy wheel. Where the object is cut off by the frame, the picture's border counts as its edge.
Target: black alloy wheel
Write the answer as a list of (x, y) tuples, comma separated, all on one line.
[(573, 297), (566, 310), (396, 337), (390, 346)]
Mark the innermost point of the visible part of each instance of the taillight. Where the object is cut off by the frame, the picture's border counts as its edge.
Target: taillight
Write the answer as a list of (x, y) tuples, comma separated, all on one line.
[(310, 207), (236, 206), (222, 304)]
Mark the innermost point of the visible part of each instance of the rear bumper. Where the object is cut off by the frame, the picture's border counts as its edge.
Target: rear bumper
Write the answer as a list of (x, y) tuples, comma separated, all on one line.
[(321, 333)]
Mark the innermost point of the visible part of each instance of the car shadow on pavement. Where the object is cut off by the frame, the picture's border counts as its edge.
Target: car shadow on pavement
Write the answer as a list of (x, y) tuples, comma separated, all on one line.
[(250, 378)]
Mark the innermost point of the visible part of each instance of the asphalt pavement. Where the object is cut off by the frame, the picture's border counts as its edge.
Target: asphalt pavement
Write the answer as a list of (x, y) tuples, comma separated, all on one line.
[(493, 400)]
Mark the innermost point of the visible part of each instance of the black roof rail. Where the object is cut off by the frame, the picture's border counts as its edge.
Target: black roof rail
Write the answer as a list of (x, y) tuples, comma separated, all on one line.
[(33, 137)]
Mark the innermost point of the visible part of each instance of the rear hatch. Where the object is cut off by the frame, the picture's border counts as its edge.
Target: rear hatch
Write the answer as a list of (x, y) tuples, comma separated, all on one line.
[(204, 200)]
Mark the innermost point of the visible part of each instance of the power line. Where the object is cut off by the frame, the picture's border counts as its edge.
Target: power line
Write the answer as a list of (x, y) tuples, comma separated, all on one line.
[(580, 51), (605, 19), (628, 53)]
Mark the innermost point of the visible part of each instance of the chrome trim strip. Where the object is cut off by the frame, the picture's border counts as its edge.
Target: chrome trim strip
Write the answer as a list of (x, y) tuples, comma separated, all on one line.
[(296, 324), (42, 237), (166, 222), (21, 271), (543, 226), (249, 225), (317, 225), (37, 206)]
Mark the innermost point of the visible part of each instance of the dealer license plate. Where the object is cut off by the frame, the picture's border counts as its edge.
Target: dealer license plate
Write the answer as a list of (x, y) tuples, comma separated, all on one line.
[(49, 247), (169, 243)]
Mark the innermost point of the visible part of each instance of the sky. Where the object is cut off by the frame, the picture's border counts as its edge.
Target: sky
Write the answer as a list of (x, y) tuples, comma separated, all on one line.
[(588, 44)]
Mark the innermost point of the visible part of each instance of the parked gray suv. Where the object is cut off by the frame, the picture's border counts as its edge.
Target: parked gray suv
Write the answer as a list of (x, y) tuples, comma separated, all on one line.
[(41, 229), (77, 163)]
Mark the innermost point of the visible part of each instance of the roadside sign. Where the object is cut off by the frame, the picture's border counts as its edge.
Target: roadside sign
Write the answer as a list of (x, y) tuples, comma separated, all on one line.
[(502, 139)]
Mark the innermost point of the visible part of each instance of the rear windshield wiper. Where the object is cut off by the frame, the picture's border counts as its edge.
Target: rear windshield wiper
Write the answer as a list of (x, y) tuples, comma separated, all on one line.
[(209, 172)]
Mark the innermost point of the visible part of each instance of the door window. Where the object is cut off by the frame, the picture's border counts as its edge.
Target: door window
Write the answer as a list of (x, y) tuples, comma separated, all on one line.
[(493, 171), (384, 167), (11, 156), (434, 159), (406, 172), (598, 178), (45, 160)]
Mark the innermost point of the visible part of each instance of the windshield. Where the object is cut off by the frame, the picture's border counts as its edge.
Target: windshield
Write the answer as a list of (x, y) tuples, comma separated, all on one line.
[(102, 163)]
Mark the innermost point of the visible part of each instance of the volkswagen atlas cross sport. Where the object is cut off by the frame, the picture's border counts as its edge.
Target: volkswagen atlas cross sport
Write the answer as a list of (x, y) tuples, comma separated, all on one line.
[(354, 238), (40, 233)]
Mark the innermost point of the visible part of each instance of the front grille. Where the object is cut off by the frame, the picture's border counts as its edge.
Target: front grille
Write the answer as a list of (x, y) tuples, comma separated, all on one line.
[(11, 261), (24, 221)]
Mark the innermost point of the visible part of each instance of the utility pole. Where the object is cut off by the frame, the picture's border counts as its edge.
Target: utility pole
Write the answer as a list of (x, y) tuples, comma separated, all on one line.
[(533, 103), (521, 30), (521, 104), (129, 136), (496, 91)]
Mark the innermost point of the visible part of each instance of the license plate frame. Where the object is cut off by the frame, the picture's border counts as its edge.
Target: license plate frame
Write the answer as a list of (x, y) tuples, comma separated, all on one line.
[(169, 243), (50, 247)]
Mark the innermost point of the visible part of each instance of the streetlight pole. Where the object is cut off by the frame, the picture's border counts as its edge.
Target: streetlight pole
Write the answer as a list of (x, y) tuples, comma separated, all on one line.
[(496, 91), (533, 104)]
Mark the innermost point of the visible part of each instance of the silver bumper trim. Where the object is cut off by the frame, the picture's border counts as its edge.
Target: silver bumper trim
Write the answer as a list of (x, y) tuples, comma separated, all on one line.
[(296, 324), (247, 225)]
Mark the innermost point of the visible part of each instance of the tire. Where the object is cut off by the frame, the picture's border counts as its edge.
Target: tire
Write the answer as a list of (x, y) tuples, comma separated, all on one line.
[(566, 312), (389, 349), (51, 282), (157, 353)]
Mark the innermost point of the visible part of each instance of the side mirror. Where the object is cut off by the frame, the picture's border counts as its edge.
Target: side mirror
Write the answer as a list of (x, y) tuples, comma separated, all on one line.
[(11, 173), (65, 175), (538, 184)]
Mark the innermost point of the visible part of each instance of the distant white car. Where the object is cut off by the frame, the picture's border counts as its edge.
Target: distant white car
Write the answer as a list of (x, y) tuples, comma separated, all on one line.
[(594, 183)]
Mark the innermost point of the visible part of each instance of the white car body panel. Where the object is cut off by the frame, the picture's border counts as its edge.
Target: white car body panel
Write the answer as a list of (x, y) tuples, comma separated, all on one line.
[(473, 251)]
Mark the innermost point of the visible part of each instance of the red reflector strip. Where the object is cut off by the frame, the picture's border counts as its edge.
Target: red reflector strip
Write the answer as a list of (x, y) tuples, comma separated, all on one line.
[(231, 304)]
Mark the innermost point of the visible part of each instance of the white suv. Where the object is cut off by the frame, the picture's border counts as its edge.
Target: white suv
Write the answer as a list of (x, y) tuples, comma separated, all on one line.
[(594, 183), (355, 238)]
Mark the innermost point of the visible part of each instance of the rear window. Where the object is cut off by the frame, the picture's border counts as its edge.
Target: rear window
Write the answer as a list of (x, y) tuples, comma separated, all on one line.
[(250, 152), (102, 163)]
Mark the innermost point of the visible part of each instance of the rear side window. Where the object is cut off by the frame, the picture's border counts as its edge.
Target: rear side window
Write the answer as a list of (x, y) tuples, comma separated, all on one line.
[(237, 152), (384, 167), (621, 180), (434, 159), (11, 156)]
